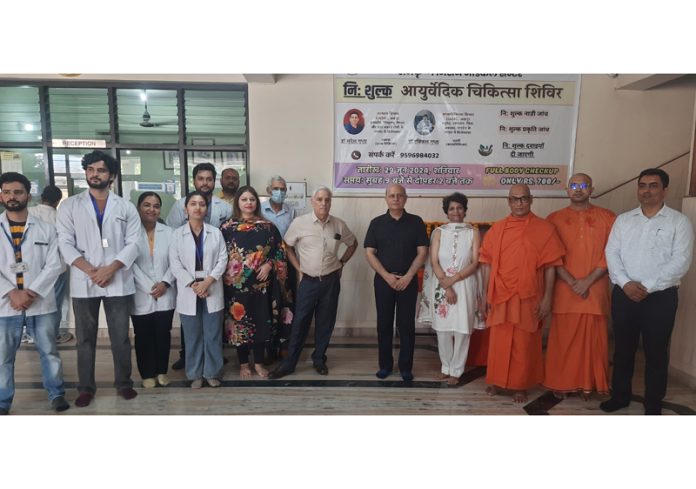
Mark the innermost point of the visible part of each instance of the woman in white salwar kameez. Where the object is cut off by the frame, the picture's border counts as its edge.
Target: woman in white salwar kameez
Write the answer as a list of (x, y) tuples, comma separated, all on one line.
[(450, 287)]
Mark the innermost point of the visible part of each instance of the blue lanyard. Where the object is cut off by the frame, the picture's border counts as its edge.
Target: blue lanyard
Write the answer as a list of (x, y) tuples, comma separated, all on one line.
[(100, 214), (200, 242)]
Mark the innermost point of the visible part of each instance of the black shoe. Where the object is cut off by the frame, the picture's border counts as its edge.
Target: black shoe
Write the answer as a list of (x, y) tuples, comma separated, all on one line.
[(407, 376), (179, 364), (279, 373), (383, 373), (651, 409), (613, 405), (321, 368), (59, 405)]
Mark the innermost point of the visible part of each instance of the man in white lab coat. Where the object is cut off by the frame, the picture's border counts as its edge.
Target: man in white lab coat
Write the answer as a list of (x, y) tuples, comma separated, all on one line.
[(29, 267), (98, 234)]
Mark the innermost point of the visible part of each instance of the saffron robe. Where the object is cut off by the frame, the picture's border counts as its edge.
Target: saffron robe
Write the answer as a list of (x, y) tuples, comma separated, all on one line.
[(577, 357), (518, 251)]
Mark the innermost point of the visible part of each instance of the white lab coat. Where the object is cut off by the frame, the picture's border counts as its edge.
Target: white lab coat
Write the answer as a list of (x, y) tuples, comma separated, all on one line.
[(40, 253), (148, 270), (182, 263), (78, 236), (219, 212)]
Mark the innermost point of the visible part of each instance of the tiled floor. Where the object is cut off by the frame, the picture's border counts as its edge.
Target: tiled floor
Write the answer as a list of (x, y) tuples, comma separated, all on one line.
[(350, 388)]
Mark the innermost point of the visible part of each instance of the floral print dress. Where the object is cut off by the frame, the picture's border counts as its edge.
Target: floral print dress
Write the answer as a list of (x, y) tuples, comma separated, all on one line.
[(455, 253), (255, 311)]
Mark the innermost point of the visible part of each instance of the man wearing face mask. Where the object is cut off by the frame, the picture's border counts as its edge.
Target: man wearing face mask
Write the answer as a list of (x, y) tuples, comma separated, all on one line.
[(279, 213), (275, 209)]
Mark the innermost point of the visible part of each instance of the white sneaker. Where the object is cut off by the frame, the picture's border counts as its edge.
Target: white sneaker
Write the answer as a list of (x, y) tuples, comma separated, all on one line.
[(64, 337), (27, 339)]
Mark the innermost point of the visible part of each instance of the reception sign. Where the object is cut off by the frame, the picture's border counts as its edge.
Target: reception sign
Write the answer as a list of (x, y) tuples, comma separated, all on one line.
[(435, 134)]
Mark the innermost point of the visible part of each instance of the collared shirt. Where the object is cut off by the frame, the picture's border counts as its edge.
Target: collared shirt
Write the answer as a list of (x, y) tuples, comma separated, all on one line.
[(44, 212), (396, 240), (223, 196), (654, 251), (316, 243), (218, 212), (282, 219)]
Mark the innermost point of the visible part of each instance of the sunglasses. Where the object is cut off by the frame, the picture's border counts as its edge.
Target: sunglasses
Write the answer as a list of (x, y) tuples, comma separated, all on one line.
[(579, 186)]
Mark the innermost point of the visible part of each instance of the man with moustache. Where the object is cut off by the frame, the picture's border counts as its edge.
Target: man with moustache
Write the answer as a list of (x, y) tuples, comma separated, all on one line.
[(577, 358), (98, 236), (218, 212), (29, 267), (313, 242), (650, 249), (396, 246), (229, 181), (519, 256)]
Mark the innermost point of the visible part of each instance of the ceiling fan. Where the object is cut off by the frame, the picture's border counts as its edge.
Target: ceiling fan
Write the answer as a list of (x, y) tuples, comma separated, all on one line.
[(146, 117)]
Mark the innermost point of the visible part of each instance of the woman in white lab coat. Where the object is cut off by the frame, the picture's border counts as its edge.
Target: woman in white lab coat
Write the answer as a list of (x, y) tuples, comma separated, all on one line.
[(155, 296), (198, 258)]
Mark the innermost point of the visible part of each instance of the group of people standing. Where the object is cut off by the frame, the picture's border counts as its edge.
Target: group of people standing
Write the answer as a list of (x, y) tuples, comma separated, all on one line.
[(227, 265)]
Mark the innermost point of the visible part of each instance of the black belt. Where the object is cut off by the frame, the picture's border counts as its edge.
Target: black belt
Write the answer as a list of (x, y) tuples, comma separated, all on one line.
[(320, 277)]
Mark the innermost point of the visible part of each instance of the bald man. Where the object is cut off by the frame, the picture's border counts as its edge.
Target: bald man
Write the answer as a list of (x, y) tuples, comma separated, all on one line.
[(519, 256), (396, 246), (577, 357)]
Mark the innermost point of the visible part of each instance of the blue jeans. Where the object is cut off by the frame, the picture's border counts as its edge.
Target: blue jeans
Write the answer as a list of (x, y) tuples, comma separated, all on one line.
[(41, 328), (203, 342)]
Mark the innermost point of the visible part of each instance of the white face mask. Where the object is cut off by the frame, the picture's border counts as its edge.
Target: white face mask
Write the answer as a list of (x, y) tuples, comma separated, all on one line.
[(278, 196)]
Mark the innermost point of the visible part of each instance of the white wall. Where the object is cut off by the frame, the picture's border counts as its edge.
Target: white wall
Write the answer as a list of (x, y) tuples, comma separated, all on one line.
[(620, 132)]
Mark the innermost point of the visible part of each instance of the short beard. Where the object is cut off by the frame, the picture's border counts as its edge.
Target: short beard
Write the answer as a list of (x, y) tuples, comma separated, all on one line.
[(99, 186), (17, 206), (207, 194)]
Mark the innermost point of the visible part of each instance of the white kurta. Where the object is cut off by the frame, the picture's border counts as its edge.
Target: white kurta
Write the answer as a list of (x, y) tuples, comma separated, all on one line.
[(455, 253)]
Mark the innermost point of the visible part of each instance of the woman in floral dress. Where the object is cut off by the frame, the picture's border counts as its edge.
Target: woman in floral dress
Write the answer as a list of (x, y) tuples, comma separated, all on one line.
[(449, 299), (254, 281)]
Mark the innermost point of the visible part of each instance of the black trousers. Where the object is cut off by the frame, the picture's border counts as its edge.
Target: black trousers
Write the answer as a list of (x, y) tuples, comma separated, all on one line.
[(257, 348), (319, 299), (387, 300), (653, 320), (152, 342)]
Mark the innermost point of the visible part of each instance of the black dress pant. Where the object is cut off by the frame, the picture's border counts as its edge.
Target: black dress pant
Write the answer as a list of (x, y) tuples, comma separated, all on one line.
[(152, 342), (387, 300), (653, 320), (318, 298)]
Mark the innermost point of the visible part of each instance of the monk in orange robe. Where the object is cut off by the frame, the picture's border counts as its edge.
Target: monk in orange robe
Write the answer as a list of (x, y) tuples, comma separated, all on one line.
[(577, 357), (519, 255)]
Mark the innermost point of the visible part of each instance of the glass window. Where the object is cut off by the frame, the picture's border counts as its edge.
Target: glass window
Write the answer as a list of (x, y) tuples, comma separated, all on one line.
[(221, 160), (147, 116), (31, 164), (79, 113), (157, 171), (67, 168), (20, 118), (215, 118)]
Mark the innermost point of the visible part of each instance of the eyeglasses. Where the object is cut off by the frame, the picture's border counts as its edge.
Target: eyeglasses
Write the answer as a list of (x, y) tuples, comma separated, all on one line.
[(525, 199), (579, 186)]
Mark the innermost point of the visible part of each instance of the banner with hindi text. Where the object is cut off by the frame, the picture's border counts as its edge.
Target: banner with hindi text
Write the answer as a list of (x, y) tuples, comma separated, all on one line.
[(435, 134)]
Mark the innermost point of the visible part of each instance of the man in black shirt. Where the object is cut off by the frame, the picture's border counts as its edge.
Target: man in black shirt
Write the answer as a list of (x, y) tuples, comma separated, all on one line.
[(396, 246)]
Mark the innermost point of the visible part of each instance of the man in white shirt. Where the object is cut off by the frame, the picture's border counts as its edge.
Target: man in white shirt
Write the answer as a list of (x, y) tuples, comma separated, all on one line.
[(29, 266), (649, 250), (218, 212), (98, 236), (46, 211)]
